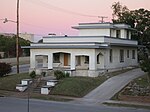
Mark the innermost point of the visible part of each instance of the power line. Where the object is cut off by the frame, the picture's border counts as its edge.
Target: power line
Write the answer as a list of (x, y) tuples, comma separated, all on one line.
[(52, 7)]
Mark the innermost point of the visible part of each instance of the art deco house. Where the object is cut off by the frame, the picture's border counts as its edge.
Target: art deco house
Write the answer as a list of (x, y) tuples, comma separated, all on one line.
[(99, 47)]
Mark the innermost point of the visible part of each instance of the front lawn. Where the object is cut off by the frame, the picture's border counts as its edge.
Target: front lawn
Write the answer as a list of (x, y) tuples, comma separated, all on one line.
[(9, 82), (77, 86)]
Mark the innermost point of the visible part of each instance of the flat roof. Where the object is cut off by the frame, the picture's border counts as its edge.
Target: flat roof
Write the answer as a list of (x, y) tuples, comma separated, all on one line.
[(65, 47)]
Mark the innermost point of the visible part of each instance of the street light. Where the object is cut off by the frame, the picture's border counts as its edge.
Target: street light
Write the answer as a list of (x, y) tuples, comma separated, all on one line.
[(17, 38)]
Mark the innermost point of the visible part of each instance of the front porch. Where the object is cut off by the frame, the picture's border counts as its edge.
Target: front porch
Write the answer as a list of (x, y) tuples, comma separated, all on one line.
[(77, 64)]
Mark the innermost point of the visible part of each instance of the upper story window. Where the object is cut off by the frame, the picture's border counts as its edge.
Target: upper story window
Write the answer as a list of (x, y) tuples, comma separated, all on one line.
[(127, 34), (118, 33)]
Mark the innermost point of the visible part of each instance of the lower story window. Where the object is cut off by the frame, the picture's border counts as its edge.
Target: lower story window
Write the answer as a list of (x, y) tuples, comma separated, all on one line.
[(133, 54), (56, 58), (86, 59), (121, 55)]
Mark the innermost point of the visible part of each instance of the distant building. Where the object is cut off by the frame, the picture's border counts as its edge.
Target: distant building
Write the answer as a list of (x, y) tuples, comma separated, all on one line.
[(99, 47), (25, 36), (8, 34)]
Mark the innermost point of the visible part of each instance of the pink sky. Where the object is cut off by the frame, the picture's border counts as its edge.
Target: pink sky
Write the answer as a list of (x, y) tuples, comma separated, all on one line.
[(39, 18)]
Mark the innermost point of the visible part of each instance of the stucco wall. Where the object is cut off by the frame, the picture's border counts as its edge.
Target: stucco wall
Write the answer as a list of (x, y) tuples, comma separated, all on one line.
[(116, 58), (94, 32)]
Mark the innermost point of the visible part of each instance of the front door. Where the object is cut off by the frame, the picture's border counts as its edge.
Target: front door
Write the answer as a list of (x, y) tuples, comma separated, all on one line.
[(65, 59)]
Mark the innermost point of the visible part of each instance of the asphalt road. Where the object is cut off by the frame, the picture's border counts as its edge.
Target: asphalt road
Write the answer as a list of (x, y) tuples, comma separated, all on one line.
[(22, 68), (20, 105)]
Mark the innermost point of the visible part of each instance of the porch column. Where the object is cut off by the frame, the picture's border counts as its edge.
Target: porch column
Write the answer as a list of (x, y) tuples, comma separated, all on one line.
[(92, 62), (32, 61), (44, 61), (50, 61), (72, 62)]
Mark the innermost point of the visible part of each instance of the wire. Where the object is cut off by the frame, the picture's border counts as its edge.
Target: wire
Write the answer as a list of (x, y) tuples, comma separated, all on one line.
[(52, 7)]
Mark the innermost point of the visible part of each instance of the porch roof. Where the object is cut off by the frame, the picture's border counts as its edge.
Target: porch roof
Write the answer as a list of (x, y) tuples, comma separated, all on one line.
[(66, 47)]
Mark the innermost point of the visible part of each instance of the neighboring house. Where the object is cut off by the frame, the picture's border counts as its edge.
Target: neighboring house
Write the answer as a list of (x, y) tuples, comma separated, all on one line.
[(99, 47)]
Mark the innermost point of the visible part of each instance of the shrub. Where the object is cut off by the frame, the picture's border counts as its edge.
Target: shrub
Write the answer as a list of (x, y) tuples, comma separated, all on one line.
[(43, 74), (67, 74), (59, 74), (145, 66), (5, 68), (32, 74)]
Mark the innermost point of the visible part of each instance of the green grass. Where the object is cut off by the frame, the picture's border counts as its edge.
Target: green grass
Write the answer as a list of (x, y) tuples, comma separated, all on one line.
[(77, 86), (9, 82), (142, 81)]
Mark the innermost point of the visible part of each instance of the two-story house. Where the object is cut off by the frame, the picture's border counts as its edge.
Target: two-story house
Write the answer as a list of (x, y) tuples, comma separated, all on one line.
[(99, 47)]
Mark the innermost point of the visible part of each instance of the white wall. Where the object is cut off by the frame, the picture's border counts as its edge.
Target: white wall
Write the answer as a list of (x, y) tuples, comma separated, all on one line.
[(116, 58), (75, 52), (94, 32)]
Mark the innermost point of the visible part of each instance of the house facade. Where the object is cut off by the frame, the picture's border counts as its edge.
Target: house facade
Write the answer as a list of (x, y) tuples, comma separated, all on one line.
[(99, 47)]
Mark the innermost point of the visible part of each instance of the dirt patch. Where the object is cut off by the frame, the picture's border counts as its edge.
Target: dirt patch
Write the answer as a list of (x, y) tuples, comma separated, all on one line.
[(141, 99)]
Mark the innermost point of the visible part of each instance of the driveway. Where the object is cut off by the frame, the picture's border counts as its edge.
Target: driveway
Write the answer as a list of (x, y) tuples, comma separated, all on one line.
[(110, 87)]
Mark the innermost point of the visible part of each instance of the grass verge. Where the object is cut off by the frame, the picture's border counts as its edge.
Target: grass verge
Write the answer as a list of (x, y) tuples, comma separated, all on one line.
[(9, 82)]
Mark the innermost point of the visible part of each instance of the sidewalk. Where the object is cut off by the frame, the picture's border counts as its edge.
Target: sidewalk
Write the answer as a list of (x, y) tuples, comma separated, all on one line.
[(110, 87)]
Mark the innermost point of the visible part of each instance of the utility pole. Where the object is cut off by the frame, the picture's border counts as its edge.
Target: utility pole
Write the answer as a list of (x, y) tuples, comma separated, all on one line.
[(102, 18), (17, 38)]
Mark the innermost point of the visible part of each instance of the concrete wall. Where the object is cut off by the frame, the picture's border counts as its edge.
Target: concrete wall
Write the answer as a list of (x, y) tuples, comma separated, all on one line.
[(94, 32)]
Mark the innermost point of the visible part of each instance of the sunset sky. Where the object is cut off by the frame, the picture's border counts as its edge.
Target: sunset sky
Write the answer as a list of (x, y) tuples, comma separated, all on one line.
[(41, 17)]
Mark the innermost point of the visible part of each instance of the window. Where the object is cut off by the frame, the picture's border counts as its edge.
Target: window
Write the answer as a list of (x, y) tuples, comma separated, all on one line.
[(98, 59), (133, 54), (127, 34), (118, 34), (110, 56), (128, 53), (56, 58), (121, 55), (86, 60)]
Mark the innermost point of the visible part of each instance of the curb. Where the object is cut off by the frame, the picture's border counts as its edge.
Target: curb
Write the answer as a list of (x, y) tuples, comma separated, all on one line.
[(127, 104)]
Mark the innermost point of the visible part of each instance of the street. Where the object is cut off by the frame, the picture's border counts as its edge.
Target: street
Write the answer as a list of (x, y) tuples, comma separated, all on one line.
[(22, 68), (20, 105)]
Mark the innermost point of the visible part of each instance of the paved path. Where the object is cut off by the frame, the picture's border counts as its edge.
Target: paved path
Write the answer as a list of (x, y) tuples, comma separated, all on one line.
[(110, 87)]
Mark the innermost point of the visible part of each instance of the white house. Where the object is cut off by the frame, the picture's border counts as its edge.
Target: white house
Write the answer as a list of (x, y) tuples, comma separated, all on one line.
[(99, 47)]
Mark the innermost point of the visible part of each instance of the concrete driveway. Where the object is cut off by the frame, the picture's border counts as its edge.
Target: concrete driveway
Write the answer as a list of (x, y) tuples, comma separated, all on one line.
[(110, 87)]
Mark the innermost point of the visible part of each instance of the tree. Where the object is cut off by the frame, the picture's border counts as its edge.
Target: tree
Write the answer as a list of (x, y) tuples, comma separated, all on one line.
[(138, 19), (8, 45), (5, 68), (145, 66)]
